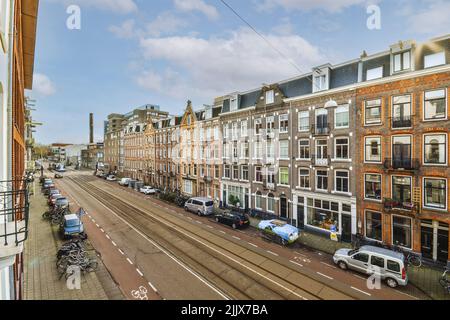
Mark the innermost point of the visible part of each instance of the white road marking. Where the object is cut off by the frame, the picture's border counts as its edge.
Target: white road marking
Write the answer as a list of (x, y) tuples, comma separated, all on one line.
[(108, 237), (319, 253), (93, 220), (252, 244), (102, 230), (406, 294), (221, 231), (366, 293), (129, 261), (296, 263), (275, 254), (324, 275), (123, 253), (211, 227), (98, 226), (114, 244), (190, 218), (140, 273), (152, 286), (359, 277), (300, 254), (328, 265), (237, 238), (199, 222)]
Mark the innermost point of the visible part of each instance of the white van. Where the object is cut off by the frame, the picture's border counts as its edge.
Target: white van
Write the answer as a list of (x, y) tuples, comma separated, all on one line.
[(200, 206)]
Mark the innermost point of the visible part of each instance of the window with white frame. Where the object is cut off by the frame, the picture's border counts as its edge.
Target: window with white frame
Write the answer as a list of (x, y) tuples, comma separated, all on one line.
[(188, 186), (233, 104), (435, 106), (258, 126), (435, 59), (236, 172), (270, 150), (284, 149), (244, 172), (342, 117), (402, 61), (270, 203), (270, 124), (401, 112), (320, 83), (303, 178), (258, 200), (227, 171), (372, 112), (234, 130), (374, 225), (258, 150), (284, 123), (245, 150), (435, 149), (341, 181), (374, 73), (225, 131), (372, 186), (304, 149), (435, 193), (270, 97), (243, 128), (372, 149), (270, 174), (341, 148), (303, 121), (258, 174), (235, 150), (284, 176), (322, 180)]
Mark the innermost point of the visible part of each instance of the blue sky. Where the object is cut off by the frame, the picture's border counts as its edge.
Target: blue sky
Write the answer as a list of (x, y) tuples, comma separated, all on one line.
[(132, 52)]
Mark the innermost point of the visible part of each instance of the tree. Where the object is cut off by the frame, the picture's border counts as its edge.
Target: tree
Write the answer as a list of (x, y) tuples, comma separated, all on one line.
[(233, 200)]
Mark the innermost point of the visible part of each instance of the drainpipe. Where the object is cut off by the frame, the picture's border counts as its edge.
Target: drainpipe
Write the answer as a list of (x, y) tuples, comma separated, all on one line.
[(9, 124)]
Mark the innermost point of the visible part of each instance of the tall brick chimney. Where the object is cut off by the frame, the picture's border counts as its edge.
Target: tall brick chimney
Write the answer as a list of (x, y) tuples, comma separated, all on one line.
[(91, 128)]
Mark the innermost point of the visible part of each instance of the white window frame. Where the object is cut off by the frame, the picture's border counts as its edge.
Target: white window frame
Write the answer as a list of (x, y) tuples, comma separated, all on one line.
[(300, 178), (335, 181), (279, 176), (287, 143), (260, 196), (340, 108), (317, 180), (381, 183), (248, 172), (258, 121), (431, 56), (244, 130), (274, 203), (411, 234), (300, 113), (309, 146), (423, 194), (365, 113), (402, 61), (365, 224), (283, 117), (446, 106), (446, 149), (270, 97), (410, 110), (348, 148), (374, 73), (381, 149), (262, 174)]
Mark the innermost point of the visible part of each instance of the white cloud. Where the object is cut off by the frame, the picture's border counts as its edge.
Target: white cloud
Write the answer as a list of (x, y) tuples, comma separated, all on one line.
[(197, 5), (165, 23), (217, 66), (117, 6), (125, 31), (434, 19), (43, 85), (305, 5)]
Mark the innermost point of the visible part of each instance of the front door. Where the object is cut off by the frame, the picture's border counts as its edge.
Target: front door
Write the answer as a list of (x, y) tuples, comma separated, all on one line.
[(346, 228), (247, 202), (426, 237), (224, 197), (442, 243), (283, 208), (300, 216)]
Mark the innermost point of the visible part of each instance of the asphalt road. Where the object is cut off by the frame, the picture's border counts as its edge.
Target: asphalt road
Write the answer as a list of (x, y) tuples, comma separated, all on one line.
[(135, 260)]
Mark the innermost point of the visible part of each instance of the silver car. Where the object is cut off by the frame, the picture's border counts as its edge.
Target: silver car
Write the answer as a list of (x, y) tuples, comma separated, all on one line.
[(200, 206), (387, 264)]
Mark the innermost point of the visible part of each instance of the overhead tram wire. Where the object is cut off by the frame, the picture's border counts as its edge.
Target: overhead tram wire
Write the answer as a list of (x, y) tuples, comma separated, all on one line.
[(290, 61)]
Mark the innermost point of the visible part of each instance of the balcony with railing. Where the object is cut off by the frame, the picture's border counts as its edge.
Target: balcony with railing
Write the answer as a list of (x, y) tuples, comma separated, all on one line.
[(401, 122), (393, 205), (408, 164), (14, 213), (321, 161), (319, 130), (269, 185)]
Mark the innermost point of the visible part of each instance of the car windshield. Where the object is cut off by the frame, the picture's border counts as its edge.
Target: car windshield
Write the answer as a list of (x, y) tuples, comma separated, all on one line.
[(73, 223), (209, 203), (352, 252)]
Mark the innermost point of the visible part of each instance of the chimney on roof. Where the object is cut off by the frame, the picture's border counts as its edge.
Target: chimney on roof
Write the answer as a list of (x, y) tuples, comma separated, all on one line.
[(91, 128)]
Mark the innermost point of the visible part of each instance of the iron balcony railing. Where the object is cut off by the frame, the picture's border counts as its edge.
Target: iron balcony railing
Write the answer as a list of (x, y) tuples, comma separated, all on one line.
[(393, 204), (401, 122), (320, 130), (401, 164), (320, 161), (14, 212)]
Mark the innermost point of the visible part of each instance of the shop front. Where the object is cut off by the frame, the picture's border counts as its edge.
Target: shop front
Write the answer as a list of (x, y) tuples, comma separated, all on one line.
[(234, 194)]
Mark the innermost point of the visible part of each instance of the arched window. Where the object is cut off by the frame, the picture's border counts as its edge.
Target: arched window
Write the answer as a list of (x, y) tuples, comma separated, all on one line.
[(258, 204), (270, 203)]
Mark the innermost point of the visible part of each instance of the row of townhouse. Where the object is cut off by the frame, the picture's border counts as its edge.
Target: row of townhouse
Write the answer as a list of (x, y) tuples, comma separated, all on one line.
[(18, 20), (359, 147)]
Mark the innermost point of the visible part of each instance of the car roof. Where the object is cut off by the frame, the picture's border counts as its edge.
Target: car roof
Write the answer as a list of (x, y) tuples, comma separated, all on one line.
[(72, 216), (382, 251), (202, 199)]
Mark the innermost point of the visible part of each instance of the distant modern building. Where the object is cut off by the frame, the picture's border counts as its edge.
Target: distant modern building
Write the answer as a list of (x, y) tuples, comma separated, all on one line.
[(73, 153)]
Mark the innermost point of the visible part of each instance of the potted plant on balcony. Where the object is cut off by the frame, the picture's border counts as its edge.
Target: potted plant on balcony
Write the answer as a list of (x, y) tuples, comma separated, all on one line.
[(389, 203), (408, 205)]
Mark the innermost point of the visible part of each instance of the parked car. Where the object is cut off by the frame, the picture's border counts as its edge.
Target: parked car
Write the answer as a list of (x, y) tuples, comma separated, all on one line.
[(58, 176), (53, 191), (233, 219), (100, 174), (62, 202), (278, 231), (52, 199), (147, 190), (387, 264), (72, 226), (124, 182), (200, 206), (111, 178), (47, 188)]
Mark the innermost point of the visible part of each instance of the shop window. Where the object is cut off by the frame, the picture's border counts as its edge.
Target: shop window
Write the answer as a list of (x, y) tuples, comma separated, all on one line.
[(322, 215)]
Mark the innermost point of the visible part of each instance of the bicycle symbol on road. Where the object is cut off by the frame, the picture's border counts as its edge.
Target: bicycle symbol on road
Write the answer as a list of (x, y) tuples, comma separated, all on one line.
[(140, 294), (300, 259)]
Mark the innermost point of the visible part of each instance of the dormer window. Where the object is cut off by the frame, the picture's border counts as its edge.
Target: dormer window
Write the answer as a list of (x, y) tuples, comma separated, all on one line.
[(320, 82), (270, 97), (233, 104), (402, 61), (375, 73), (433, 60), (208, 114)]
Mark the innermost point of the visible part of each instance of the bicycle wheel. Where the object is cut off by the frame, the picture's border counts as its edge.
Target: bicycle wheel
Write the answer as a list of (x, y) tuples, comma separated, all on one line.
[(92, 266), (415, 261)]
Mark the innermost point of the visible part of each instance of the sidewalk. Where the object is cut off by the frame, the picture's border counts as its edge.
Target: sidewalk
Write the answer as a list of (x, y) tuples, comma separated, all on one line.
[(424, 278), (41, 280)]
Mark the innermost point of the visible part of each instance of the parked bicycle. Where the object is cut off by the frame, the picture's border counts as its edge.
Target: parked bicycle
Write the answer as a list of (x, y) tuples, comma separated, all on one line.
[(411, 258), (444, 280), (358, 241)]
